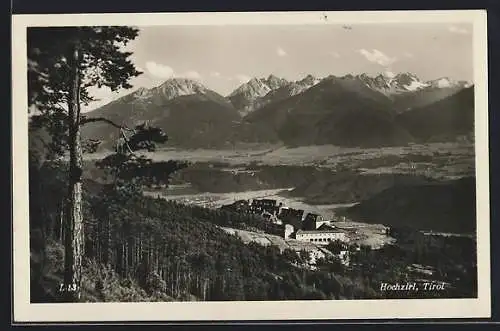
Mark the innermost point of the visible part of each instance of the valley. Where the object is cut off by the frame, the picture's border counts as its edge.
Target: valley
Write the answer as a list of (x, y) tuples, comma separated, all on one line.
[(438, 160), (380, 142), (329, 180), (359, 146)]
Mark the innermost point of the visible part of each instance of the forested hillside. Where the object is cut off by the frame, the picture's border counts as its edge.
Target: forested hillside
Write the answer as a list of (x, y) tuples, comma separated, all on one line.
[(159, 250), (145, 249)]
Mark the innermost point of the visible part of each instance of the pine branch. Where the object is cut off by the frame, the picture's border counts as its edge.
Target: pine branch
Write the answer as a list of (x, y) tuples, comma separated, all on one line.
[(61, 107), (86, 120), (126, 141)]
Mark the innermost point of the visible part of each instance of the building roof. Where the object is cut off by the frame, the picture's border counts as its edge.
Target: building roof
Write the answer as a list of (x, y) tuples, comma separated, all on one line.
[(319, 231), (324, 227)]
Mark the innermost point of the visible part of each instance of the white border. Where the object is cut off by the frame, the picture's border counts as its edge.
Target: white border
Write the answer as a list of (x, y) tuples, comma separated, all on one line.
[(24, 311)]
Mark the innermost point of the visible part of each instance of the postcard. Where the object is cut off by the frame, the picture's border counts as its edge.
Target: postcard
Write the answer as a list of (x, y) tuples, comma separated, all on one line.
[(250, 166)]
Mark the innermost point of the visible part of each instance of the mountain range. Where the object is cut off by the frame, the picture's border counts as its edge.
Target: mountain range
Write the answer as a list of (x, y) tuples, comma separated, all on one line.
[(190, 113), (258, 92), (352, 110)]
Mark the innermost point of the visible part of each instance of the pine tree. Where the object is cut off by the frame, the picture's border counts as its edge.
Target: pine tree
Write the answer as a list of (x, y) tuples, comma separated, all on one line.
[(63, 63)]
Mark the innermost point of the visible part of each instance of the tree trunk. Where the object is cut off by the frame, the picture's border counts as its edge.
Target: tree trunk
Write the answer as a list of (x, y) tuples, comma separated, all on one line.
[(61, 223), (73, 245), (157, 260), (98, 243), (107, 259), (125, 266)]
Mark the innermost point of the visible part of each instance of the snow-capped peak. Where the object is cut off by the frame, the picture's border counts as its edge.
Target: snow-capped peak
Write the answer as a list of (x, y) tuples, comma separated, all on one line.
[(254, 87), (170, 89), (446, 82), (259, 87), (274, 82), (142, 92), (309, 80), (176, 87), (416, 85), (389, 74), (303, 84), (391, 83), (442, 82), (409, 81)]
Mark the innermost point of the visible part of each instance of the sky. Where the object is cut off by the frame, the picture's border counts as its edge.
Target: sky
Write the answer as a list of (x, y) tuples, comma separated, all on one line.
[(223, 57)]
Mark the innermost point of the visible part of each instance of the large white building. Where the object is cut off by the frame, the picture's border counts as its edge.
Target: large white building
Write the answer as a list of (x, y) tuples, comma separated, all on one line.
[(321, 237)]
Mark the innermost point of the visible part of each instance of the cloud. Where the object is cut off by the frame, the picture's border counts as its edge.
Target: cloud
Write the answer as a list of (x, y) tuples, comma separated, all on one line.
[(280, 51), (242, 78), (215, 74), (159, 70), (378, 57), (191, 74), (334, 54), (163, 71), (456, 29), (408, 54)]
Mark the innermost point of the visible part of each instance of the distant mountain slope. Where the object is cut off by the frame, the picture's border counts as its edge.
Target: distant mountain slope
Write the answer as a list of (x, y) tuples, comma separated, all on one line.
[(340, 111), (350, 187), (408, 91), (361, 111), (191, 114), (390, 84), (442, 207), (442, 120), (286, 91), (245, 98), (423, 97)]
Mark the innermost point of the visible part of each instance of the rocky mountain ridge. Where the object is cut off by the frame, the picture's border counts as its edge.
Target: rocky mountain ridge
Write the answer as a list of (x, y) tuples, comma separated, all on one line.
[(359, 110)]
